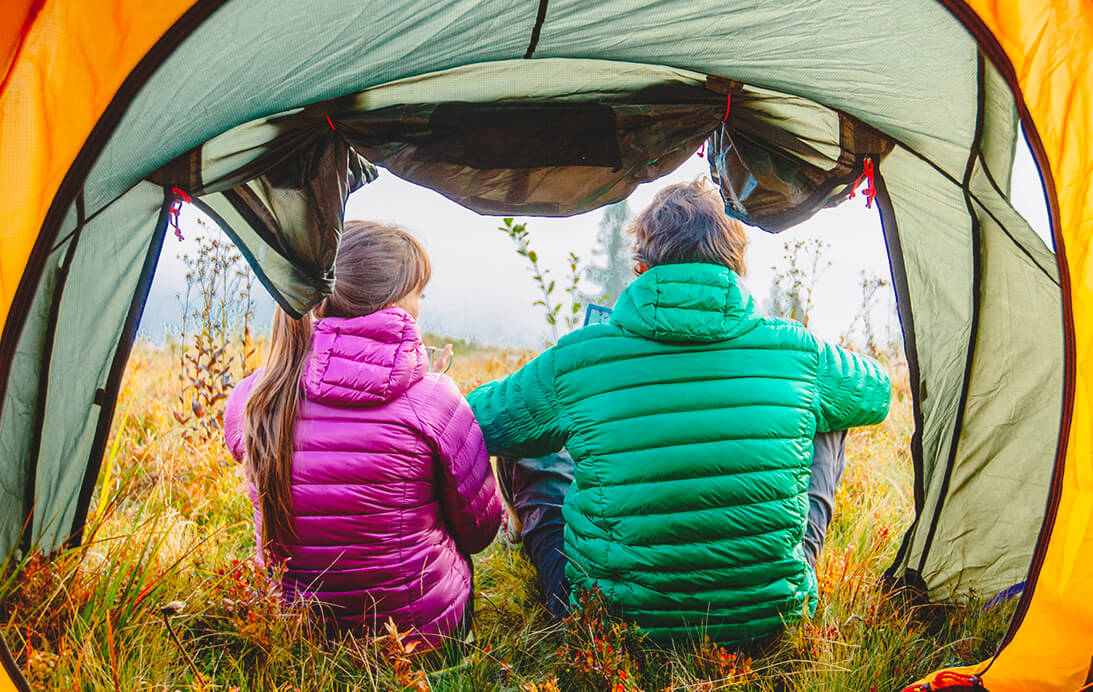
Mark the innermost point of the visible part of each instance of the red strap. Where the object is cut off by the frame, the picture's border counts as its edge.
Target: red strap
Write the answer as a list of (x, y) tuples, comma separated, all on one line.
[(331, 123), (948, 678), (870, 190), (945, 678)]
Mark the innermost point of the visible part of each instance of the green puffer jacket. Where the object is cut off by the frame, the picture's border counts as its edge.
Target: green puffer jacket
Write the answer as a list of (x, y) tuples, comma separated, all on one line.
[(690, 420)]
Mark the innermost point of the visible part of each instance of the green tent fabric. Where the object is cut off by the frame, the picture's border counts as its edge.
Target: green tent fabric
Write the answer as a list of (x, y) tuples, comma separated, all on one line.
[(817, 86)]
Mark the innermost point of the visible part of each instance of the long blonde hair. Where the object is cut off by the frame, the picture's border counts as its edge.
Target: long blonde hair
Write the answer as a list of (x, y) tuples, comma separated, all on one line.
[(376, 266)]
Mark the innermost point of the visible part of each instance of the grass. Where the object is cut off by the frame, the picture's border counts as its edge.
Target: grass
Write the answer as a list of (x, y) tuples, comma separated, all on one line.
[(163, 595)]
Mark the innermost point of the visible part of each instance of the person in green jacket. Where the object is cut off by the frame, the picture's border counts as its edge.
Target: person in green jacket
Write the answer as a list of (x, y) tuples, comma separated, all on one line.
[(690, 421)]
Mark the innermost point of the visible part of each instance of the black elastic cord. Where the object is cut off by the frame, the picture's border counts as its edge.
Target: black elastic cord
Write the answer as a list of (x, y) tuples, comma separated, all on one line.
[(538, 28)]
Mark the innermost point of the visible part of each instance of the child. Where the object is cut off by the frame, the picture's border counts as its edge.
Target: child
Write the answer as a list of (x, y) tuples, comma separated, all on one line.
[(368, 474)]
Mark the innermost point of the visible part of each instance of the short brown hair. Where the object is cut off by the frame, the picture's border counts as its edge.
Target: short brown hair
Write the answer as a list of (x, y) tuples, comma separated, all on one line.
[(686, 222)]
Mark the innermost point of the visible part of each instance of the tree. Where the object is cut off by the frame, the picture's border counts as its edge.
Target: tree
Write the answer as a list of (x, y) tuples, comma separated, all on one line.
[(614, 247)]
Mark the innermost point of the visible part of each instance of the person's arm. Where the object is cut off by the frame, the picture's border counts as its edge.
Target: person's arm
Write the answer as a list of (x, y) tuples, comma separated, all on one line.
[(467, 489), (235, 418), (519, 415), (854, 390)]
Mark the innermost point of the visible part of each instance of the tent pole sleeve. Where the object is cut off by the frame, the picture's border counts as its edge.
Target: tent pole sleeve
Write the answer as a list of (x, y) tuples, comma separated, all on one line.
[(107, 398)]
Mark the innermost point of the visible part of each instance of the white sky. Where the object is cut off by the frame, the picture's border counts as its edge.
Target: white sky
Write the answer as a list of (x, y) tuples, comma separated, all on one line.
[(481, 290)]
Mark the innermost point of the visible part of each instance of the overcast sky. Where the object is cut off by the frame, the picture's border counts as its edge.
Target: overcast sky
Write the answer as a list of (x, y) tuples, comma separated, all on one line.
[(482, 290)]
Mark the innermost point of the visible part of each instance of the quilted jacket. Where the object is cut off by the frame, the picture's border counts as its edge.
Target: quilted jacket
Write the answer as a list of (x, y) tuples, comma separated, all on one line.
[(391, 483), (690, 420)]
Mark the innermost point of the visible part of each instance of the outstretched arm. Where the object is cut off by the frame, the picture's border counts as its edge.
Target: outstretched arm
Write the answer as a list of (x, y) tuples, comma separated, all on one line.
[(854, 390), (468, 491), (519, 415)]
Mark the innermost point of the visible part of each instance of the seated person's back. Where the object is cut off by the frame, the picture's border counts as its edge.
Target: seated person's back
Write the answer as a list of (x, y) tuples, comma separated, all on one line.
[(368, 474), (690, 420)]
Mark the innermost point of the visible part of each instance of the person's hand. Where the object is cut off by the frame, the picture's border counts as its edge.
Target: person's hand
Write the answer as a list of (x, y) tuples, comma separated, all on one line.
[(440, 359)]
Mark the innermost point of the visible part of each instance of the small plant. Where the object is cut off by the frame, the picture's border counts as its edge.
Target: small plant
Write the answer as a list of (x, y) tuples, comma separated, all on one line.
[(519, 234), (793, 289), (605, 654), (729, 669), (873, 290), (216, 344), (399, 655)]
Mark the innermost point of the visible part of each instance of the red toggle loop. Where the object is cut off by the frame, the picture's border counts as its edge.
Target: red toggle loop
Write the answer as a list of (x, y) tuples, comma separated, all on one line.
[(870, 190), (176, 209)]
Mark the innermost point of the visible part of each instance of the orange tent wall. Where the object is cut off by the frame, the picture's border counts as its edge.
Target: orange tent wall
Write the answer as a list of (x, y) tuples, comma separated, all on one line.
[(54, 91), (1050, 45)]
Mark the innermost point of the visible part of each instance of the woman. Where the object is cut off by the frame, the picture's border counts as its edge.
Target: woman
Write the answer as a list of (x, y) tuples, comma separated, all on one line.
[(368, 475), (690, 420)]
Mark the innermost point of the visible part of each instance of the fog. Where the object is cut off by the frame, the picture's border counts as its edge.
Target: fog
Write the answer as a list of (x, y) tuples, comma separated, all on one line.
[(482, 290)]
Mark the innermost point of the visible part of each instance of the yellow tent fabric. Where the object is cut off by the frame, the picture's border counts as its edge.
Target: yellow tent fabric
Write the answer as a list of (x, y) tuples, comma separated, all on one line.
[(1050, 45), (53, 94)]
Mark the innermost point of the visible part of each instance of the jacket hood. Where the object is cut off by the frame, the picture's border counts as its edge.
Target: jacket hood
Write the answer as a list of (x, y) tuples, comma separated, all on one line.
[(686, 303), (364, 361)]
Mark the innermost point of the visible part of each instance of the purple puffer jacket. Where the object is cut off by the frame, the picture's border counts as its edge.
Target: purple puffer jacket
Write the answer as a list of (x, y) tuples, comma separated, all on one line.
[(391, 483)]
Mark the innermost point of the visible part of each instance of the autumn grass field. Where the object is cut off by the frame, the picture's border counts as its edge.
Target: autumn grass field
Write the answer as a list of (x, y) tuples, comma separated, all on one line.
[(163, 594)]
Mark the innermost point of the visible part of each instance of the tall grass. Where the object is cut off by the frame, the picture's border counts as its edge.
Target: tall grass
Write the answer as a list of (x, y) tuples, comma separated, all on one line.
[(163, 594)]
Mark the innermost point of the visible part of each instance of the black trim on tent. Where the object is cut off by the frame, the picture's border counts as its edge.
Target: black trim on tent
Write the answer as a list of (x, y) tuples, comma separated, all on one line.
[(107, 397), (35, 446), (993, 49), (539, 18), (994, 185), (977, 294), (12, 668), (77, 173), (890, 228)]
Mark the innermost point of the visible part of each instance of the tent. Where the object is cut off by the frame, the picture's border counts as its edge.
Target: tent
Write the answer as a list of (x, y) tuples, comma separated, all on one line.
[(267, 114)]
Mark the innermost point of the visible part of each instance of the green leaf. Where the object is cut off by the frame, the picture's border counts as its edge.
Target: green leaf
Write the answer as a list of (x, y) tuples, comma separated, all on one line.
[(532, 256), (507, 220)]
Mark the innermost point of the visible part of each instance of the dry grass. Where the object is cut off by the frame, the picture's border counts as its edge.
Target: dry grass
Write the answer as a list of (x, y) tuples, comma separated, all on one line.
[(163, 595)]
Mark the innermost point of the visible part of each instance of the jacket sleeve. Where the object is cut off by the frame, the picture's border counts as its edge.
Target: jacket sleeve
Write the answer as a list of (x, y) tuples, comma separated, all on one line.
[(468, 491), (854, 390), (519, 415), (235, 418)]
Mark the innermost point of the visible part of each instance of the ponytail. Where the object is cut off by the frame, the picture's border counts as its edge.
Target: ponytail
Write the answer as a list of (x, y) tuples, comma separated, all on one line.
[(376, 267), (271, 423)]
